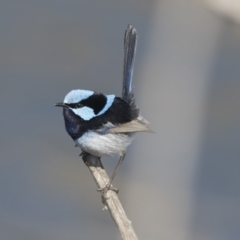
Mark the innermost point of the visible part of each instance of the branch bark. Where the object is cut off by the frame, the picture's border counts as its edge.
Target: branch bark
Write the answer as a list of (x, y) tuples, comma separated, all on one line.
[(110, 199)]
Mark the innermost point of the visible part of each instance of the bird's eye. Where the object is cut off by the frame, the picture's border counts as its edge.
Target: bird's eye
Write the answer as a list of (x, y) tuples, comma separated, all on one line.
[(79, 105), (75, 105)]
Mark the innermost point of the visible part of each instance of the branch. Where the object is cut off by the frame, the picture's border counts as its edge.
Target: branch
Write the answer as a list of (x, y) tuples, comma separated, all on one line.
[(110, 199)]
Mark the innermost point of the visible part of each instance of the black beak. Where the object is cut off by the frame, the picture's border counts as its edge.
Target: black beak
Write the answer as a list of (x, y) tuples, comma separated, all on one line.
[(60, 105)]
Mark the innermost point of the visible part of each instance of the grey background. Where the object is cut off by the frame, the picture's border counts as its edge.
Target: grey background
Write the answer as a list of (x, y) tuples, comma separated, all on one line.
[(180, 183)]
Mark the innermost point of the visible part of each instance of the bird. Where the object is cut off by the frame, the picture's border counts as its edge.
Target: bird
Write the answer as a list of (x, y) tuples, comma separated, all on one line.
[(104, 125)]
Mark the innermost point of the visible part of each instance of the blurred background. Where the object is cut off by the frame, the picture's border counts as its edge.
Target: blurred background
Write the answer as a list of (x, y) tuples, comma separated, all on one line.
[(181, 183)]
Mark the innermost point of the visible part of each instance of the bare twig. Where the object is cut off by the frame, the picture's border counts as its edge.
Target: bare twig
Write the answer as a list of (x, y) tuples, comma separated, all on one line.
[(110, 199)]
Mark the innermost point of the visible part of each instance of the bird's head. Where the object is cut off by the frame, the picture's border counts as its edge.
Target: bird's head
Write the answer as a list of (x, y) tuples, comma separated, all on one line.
[(86, 104)]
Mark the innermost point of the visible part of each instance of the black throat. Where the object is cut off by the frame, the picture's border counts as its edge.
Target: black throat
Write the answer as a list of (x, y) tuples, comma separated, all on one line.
[(72, 123)]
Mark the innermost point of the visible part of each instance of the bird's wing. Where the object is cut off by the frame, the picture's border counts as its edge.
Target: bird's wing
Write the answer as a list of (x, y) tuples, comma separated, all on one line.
[(133, 126), (105, 128), (136, 125)]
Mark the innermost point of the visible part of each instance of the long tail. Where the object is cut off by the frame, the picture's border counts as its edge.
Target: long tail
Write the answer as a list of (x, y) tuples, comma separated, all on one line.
[(130, 45)]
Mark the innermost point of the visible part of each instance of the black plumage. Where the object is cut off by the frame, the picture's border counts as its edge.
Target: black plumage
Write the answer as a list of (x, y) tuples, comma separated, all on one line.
[(118, 113)]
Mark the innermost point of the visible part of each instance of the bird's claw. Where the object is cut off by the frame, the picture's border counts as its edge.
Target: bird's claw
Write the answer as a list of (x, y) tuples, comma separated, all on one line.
[(106, 188), (104, 192)]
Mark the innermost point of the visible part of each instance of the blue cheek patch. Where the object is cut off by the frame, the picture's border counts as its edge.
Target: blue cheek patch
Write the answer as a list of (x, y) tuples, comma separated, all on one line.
[(85, 113)]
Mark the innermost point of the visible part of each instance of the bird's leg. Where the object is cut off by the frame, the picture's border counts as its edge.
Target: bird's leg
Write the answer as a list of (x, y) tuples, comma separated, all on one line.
[(116, 168), (108, 186)]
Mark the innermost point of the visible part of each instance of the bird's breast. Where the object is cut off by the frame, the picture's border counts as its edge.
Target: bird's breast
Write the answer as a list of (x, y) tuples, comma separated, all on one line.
[(101, 145)]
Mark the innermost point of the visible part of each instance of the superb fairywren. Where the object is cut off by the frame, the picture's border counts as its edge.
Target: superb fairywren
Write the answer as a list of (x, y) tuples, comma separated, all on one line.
[(103, 125)]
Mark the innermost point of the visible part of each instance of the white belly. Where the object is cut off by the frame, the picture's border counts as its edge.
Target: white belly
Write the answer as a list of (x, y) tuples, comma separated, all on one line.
[(101, 145)]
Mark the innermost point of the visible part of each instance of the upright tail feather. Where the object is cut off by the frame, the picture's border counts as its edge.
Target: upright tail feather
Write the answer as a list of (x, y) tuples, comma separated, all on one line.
[(139, 124), (130, 45)]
